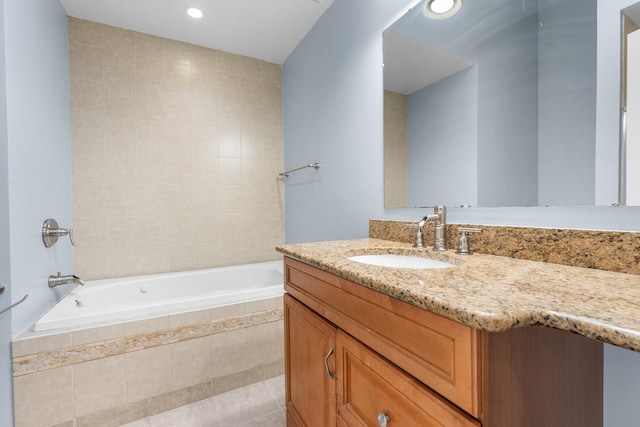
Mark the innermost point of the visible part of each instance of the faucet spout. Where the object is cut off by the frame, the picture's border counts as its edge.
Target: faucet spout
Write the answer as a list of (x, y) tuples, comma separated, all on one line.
[(440, 233), (57, 280)]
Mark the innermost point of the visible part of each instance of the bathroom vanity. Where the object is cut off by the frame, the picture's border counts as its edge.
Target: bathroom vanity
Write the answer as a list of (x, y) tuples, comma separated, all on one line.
[(484, 343)]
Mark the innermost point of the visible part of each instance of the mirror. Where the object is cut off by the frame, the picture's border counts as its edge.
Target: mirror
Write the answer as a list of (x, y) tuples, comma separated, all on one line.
[(494, 106), (630, 106)]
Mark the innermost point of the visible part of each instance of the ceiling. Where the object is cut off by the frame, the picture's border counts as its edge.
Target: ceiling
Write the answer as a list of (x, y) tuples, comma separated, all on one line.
[(263, 29), (404, 55)]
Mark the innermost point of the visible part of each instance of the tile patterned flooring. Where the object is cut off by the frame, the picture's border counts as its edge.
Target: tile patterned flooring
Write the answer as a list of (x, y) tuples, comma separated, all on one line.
[(257, 405)]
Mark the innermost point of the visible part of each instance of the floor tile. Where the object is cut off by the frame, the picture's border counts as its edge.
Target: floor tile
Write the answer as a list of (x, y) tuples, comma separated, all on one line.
[(272, 419), (257, 405), (244, 404), (276, 387), (198, 414), (139, 423)]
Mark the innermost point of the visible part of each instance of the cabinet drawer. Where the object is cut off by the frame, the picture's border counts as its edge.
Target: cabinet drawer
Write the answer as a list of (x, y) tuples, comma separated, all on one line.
[(370, 387), (441, 353)]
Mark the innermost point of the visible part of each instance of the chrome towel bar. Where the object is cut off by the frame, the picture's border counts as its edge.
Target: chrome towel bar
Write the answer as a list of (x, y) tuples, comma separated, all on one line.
[(310, 165), (14, 304)]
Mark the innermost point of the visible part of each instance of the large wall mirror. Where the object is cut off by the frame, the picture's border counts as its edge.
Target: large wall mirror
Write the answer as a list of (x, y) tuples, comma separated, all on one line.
[(630, 106), (493, 106)]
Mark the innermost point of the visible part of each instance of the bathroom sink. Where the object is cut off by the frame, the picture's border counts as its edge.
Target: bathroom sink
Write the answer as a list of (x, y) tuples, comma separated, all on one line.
[(400, 261)]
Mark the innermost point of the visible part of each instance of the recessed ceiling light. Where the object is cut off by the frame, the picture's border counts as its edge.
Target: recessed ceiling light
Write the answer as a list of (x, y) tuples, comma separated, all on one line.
[(194, 12), (441, 9)]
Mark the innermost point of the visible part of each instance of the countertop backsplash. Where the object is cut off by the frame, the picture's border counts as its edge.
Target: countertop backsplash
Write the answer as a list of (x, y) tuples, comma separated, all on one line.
[(603, 250)]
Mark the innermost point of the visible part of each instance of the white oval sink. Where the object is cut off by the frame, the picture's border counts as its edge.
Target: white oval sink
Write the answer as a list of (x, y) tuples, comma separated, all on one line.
[(400, 261)]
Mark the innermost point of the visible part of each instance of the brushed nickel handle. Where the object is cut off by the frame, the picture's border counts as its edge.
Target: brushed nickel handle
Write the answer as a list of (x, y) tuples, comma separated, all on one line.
[(383, 419), (51, 231), (326, 363)]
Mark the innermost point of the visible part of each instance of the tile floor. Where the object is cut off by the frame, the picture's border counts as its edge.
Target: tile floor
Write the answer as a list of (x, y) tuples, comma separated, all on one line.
[(256, 405)]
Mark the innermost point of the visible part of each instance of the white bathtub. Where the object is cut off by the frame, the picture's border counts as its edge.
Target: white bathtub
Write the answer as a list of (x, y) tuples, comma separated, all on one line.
[(116, 300)]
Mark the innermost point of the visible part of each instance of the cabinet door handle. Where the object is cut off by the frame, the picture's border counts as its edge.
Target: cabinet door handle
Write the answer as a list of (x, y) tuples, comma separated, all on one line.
[(326, 363), (383, 419)]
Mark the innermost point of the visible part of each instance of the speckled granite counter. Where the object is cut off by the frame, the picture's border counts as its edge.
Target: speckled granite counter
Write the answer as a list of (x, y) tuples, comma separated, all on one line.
[(494, 293)]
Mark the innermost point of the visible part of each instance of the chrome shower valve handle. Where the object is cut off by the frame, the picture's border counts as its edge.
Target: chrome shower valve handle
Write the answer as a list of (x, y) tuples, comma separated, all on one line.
[(51, 231)]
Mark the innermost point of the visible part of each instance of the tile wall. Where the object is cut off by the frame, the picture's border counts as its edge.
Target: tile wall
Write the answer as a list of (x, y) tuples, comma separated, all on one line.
[(396, 192), (115, 374), (176, 150)]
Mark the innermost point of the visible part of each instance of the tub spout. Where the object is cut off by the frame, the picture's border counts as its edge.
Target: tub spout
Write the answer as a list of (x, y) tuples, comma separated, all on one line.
[(63, 280)]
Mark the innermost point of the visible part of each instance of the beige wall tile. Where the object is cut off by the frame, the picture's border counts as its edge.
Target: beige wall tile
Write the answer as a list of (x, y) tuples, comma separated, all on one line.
[(91, 260), (90, 200), (118, 39), (241, 65), (203, 57), (227, 353), (265, 343), (87, 96), (197, 317), (274, 369), (182, 258), (96, 333), (154, 260), (81, 31), (177, 52), (271, 72), (86, 62), (119, 100), (35, 344), (148, 45), (98, 385), (115, 417), (181, 397), (43, 398), (237, 380), (190, 361), (149, 71), (146, 325), (123, 262), (119, 67), (148, 373), (180, 135)]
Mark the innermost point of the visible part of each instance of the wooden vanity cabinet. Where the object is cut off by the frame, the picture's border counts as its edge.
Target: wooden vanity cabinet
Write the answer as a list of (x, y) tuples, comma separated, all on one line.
[(353, 354), (309, 367)]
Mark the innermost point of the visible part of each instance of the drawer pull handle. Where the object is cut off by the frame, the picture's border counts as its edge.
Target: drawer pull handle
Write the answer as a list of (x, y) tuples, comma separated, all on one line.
[(326, 363), (383, 419)]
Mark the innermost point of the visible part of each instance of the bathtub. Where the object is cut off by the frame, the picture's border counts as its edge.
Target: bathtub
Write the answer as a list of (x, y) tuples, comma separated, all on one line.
[(124, 299)]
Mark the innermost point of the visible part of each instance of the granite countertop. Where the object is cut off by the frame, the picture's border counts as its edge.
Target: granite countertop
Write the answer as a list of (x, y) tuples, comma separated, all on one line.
[(493, 293)]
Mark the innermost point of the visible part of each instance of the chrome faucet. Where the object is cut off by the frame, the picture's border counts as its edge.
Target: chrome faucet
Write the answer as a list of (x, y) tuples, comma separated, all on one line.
[(440, 235), (439, 216), (418, 243), (63, 280)]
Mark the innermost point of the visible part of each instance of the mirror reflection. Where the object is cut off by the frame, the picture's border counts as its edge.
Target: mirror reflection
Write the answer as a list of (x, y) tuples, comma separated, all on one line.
[(630, 100), (493, 106)]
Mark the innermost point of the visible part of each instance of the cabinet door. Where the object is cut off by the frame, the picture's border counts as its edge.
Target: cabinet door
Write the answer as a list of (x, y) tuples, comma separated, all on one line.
[(373, 392), (309, 367)]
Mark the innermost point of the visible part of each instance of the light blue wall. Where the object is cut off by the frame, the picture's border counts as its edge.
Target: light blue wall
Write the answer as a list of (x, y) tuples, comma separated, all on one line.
[(332, 96), (39, 138), (566, 107), (442, 126), (35, 154), (508, 123), (6, 371), (333, 114)]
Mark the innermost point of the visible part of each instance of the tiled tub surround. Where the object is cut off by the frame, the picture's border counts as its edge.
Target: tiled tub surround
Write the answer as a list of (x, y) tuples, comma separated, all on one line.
[(602, 250), (115, 374), (494, 293), (175, 149)]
